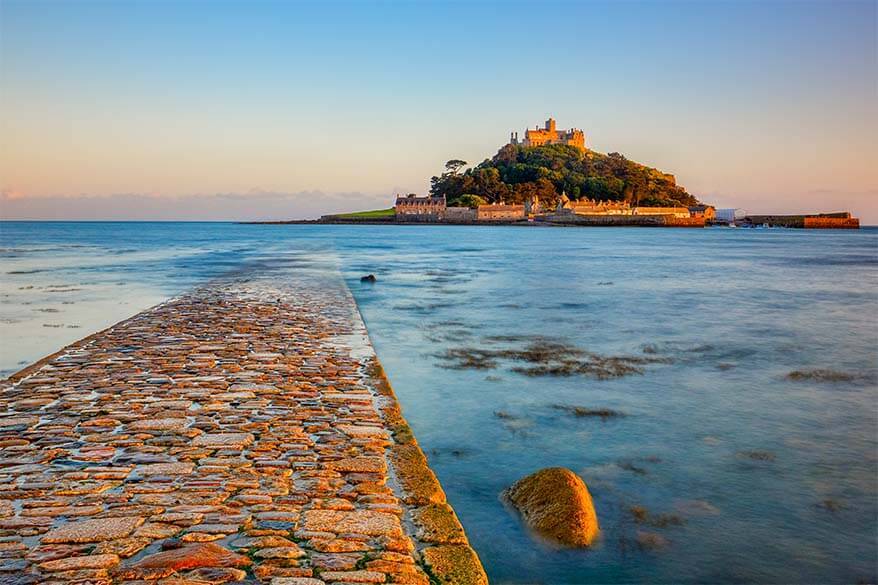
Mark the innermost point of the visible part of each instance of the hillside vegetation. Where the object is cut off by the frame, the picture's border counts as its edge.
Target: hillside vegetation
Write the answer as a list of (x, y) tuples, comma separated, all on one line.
[(517, 173)]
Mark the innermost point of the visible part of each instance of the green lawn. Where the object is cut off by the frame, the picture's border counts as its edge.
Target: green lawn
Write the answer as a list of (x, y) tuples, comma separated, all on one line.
[(368, 214)]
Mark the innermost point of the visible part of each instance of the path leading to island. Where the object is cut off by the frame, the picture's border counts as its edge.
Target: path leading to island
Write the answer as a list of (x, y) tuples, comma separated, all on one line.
[(243, 432)]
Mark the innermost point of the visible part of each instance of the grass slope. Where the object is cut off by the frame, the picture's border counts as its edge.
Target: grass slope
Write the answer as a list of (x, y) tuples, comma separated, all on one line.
[(375, 213)]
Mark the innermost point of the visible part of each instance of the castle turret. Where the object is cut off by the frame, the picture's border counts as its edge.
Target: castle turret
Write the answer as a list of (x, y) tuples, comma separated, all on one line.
[(550, 125)]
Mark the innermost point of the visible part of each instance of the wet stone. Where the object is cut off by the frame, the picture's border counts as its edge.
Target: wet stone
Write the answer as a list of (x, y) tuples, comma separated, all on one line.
[(193, 556), (222, 440), (95, 530), (161, 424), (281, 552), (177, 468), (87, 562)]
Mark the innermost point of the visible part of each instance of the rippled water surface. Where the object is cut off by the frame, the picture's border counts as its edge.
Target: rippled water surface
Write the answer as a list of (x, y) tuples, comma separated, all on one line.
[(742, 365)]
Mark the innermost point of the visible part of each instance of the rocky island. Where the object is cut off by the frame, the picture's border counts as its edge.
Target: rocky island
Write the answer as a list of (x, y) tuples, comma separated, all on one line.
[(551, 178)]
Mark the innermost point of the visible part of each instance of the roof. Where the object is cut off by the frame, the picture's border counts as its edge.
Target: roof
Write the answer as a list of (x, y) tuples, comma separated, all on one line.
[(428, 200)]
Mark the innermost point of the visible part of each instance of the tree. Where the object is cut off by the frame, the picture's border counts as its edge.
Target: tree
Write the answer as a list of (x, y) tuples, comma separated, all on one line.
[(517, 173), (470, 200), (454, 165)]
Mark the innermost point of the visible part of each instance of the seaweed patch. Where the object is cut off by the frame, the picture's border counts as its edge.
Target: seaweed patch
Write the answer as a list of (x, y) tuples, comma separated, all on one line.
[(541, 356)]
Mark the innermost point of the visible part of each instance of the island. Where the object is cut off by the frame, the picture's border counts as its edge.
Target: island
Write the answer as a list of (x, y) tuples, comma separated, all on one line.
[(550, 177)]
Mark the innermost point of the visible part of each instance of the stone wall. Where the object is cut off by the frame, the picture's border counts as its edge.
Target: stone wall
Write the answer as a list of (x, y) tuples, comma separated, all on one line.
[(841, 220), (460, 215), (622, 220), (500, 212), (848, 223)]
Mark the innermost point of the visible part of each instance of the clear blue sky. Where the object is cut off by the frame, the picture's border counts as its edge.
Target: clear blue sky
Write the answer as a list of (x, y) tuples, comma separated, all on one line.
[(770, 106)]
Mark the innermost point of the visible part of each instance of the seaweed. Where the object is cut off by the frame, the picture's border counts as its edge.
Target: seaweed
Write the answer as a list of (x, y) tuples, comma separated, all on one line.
[(581, 411), (468, 359), (831, 505), (757, 455), (643, 516), (545, 357), (820, 375), (629, 466)]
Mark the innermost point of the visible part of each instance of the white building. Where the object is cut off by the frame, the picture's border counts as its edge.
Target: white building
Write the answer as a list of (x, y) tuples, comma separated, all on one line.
[(729, 215)]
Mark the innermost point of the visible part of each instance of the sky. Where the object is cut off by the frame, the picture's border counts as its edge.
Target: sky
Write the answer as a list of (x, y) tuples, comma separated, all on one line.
[(280, 110)]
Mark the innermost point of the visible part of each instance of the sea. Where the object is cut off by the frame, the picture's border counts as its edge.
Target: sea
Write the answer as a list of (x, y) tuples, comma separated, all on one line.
[(715, 388)]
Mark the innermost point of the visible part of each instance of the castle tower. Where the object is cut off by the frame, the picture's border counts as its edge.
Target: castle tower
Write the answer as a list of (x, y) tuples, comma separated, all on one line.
[(550, 125)]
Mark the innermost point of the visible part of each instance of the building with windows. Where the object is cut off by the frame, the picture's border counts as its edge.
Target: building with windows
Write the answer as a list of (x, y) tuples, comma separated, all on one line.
[(705, 211), (411, 204)]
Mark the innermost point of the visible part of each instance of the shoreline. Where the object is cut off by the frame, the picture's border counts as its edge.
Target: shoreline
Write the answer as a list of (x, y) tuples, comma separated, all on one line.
[(246, 424), (525, 223)]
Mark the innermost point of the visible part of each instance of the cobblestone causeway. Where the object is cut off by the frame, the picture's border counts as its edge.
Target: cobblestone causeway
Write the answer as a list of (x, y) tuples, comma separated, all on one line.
[(242, 433)]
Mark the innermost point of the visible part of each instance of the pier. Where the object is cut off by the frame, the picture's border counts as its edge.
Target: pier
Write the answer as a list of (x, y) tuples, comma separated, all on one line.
[(243, 432)]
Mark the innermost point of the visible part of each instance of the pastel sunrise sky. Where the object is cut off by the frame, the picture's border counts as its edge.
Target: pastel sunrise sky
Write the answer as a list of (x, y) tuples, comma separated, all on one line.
[(277, 110)]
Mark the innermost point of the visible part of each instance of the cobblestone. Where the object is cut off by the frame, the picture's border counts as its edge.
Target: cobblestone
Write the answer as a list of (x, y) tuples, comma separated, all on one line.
[(241, 432)]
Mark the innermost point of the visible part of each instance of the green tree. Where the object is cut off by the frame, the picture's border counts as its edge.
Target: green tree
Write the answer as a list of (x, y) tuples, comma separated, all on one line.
[(454, 165), (517, 173), (470, 200)]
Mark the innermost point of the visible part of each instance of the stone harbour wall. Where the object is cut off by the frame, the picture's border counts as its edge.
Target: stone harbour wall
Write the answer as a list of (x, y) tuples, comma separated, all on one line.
[(622, 220), (241, 433)]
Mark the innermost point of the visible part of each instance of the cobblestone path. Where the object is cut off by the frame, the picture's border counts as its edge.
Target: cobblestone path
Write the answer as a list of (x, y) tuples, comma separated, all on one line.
[(242, 433)]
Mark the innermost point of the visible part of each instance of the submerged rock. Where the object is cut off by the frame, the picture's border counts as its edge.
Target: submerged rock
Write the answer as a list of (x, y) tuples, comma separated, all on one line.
[(542, 356), (831, 505), (650, 540), (643, 516), (820, 375), (757, 455), (582, 411), (368, 278), (555, 503)]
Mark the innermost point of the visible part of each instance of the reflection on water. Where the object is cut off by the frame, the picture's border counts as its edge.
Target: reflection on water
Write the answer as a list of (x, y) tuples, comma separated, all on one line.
[(735, 440)]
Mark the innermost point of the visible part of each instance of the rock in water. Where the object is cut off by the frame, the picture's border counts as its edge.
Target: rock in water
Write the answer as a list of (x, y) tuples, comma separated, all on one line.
[(555, 502), (368, 278)]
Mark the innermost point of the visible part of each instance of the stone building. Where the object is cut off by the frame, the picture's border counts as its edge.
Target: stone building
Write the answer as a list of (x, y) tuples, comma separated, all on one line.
[(678, 212), (595, 207), (549, 134), (500, 211), (413, 205), (708, 212), (460, 215)]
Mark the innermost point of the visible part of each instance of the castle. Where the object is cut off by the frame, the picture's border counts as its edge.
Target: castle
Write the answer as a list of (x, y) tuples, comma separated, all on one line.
[(550, 135)]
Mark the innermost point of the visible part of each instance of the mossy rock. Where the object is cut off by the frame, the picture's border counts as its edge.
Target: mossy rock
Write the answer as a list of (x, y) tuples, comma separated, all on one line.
[(417, 480), (454, 563), (437, 524), (555, 503)]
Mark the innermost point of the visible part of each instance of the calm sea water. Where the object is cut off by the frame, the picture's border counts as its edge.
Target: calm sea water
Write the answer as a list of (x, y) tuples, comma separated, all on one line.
[(746, 475)]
